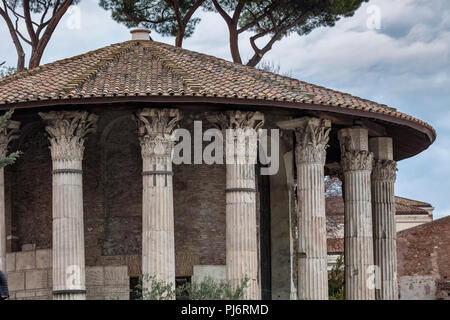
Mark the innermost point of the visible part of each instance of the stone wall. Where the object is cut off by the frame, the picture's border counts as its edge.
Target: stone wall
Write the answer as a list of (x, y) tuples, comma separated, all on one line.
[(202, 272), (417, 288), (29, 276), (406, 221), (107, 283)]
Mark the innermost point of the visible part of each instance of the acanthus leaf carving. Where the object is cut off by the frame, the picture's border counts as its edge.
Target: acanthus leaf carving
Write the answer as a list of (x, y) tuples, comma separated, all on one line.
[(237, 119), (155, 128), (357, 160), (312, 141), (384, 170), (241, 130), (67, 131), (9, 133)]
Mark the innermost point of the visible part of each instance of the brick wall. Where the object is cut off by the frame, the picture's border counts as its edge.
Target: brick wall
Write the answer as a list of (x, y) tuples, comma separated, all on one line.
[(30, 197), (424, 259), (112, 187)]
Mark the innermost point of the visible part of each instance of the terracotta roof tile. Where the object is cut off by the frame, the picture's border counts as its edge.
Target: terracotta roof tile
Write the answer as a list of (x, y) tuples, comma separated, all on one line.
[(335, 206), (150, 68)]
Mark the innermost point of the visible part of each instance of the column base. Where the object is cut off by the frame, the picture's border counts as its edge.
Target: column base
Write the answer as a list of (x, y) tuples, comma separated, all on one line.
[(69, 295)]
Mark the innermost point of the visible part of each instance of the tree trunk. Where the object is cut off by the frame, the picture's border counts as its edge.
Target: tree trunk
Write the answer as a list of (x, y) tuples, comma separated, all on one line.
[(254, 60), (35, 59), (180, 37), (38, 49), (234, 43), (16, 41), (20, 60)]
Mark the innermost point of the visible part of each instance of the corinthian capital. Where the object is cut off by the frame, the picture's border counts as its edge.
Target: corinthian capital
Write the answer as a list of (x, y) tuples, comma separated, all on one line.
[(155, 131), (67, 131), (236, 120), (8, 134), (312, 136), (241, 129), (384, 170), (157, 121), (357, 160)]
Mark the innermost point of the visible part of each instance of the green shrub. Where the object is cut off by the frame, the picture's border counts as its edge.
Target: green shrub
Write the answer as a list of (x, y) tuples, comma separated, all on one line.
[(207, 289), (336, 280), (210, 289)]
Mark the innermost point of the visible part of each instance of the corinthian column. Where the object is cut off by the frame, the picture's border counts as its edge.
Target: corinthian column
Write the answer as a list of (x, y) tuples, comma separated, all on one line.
[(6, 135), (310, 153), (67, 131), (242, 242), (158, 239), (383, 214), (356, 163)]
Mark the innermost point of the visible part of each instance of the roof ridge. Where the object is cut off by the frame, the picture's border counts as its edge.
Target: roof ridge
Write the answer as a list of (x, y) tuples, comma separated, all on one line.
[(418, 202), (78, 81), (35, 70), (252, 70), (238, 67), (169, 64)]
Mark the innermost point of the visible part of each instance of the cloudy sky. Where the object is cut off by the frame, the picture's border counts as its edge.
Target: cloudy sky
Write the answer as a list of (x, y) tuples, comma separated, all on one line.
[(401, 59)]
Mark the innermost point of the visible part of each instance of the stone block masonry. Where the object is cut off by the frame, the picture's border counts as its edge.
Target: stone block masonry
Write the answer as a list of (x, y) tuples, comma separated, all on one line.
[(33, 280), (29, 274)]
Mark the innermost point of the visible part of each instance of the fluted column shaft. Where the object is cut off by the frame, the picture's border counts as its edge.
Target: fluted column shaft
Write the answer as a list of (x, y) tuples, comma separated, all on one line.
[(158, 236), (383, 216), (312, 257), (158, 242), (241, 239), (240, 129), (67, 131), (6, 135), (358, 239), (68, 231), (311, 138)]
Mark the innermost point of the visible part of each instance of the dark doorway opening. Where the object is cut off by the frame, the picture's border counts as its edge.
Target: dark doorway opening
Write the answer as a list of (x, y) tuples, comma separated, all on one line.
[(265, 235), (135, 289), (180, 284)]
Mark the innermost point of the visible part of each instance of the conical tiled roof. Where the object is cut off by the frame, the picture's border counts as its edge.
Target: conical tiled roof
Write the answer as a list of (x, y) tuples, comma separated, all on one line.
[(154, 69)]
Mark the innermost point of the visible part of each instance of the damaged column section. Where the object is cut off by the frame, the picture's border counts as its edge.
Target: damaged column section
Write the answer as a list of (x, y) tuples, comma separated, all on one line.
[(312, 136), (383, 214)]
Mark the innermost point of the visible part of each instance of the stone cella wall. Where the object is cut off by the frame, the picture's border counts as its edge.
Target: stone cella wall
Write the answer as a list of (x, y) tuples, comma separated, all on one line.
[(29, 276), (112, 190)]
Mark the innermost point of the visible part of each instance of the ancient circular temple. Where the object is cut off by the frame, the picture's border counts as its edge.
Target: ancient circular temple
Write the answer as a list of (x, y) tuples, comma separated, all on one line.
[(95, 199)]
